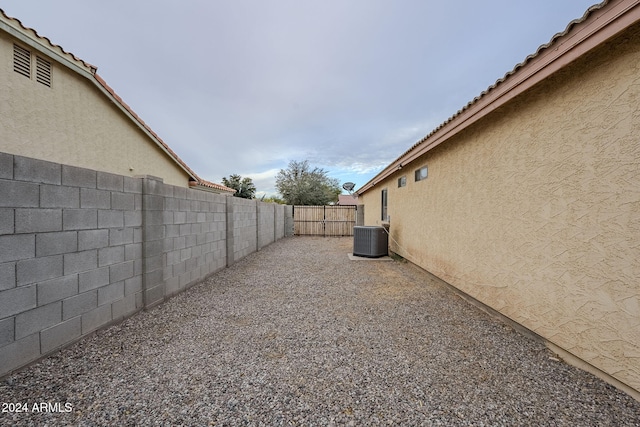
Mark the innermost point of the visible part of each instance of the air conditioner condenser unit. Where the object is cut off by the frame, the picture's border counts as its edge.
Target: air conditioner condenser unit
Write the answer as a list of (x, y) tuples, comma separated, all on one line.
[(370, 241)]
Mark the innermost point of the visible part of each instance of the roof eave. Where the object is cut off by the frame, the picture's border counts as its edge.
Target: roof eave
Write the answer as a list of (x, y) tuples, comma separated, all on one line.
[(599, 24)]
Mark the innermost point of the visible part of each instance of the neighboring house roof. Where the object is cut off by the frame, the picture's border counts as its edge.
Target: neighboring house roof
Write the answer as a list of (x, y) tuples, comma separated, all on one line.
[(30, 37), (347, 200), (600, 23)]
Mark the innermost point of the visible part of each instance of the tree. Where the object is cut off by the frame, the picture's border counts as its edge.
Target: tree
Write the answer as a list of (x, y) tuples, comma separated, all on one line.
[(301, 185), (244, 186)]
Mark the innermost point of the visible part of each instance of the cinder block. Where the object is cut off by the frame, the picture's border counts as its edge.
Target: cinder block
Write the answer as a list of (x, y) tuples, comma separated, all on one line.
[(92, 239), (95, 318), (120, 236), (93, 279), (91, 198), (110, 255), (133, 285), (79, 219), (6, 166), (185, 254), (185, 205), (6, 221), (78, 177), (7, 331), (173, 286), (132, 185), (172, 230), (110, 219), (154, 232), (185, 229), (133, 218), (38, 220), (152, 279), (79, 304), (165, 219), (80, 261), (109, 181), (57, 289), (15, 194), (179, 242), (17, 300), (137, 235), (56, 196), (17, 247), (56, 243), (179, 269), (35, 320), (152, 263), (171, 204), (7, 276), (60, 334), (124, 307), (27, 169), (110, 293), (154, 295), (152, 202), (121, 271), (122, 201), (179, 192), (133, 251), (39, 269), (167, 190), (19, 353), (138, 198)]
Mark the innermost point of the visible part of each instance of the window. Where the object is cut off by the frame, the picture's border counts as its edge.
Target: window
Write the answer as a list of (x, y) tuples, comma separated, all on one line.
[(384, 205), (21, 61), (421, 173), (402, 181), (43, 71)]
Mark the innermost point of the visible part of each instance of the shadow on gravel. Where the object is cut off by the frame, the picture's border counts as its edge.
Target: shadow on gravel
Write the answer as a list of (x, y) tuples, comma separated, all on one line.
[(297, 334)]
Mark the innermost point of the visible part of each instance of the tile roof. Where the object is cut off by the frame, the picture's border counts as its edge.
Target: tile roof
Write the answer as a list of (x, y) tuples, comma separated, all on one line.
[(526, 73), (92, 74)]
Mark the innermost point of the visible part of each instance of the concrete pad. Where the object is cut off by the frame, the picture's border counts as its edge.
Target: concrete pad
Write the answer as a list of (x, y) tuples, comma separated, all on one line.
[(353, 257)]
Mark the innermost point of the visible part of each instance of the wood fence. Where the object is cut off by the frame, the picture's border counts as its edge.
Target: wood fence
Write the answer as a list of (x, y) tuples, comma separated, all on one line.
[(324, 220)]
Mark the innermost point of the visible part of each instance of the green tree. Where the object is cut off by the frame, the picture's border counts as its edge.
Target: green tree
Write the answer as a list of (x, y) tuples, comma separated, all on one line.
[(299, 184), (244, 186), (272, 199)]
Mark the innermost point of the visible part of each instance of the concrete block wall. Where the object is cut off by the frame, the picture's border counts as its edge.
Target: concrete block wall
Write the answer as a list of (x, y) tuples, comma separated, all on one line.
[(245, 227), (80, 249), (70, 255)]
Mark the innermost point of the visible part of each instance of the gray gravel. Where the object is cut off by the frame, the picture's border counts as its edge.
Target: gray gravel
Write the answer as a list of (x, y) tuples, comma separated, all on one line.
[(297, 334)]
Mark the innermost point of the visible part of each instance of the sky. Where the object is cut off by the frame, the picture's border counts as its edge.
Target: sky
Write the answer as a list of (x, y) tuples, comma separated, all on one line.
[(246, 86)]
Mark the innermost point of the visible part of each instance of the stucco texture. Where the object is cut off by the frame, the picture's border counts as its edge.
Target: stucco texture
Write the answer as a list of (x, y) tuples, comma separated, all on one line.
[(535, 210), (73, 123)]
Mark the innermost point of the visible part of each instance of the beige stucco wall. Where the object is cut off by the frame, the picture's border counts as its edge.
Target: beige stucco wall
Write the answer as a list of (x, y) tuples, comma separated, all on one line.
[(73, 123), (535, 210)]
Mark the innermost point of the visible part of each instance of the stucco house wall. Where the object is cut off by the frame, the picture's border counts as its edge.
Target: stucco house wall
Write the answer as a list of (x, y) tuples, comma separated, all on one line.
[(535, 209)]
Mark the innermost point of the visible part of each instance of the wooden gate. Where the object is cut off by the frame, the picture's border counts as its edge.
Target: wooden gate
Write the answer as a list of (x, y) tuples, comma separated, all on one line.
[(324, 220)]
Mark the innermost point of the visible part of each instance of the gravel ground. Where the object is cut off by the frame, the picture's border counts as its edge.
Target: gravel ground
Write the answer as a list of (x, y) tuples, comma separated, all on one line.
[(297, 334)]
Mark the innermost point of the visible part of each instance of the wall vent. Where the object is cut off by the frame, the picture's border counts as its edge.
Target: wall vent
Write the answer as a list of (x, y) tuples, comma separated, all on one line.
[(369, 241), (43, 71), (21, 61)]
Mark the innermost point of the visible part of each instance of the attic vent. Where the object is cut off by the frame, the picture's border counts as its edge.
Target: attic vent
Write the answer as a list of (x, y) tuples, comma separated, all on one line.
[(21, 61), (43, 71)]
